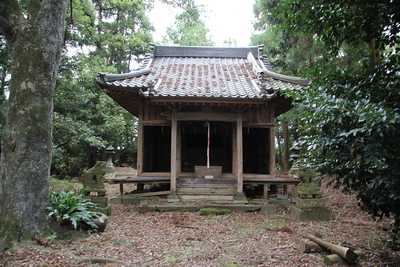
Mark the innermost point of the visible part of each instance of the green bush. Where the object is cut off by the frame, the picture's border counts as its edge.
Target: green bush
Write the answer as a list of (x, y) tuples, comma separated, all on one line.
[(68, 208), (212, 211), (64, 184)]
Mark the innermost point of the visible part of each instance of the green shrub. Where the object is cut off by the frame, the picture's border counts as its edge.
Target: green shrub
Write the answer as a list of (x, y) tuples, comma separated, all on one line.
[(64, 185), (70, 208), (212, 211)]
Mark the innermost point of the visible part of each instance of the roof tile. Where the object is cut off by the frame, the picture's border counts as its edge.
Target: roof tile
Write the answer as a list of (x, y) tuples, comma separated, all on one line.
[(204, 76)]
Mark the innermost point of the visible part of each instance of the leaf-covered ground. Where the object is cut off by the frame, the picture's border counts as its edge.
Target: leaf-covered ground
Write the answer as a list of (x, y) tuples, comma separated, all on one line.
[(188, 239)]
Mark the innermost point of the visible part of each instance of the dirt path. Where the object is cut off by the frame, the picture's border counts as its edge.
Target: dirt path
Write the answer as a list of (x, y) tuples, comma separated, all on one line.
[(188, 239)]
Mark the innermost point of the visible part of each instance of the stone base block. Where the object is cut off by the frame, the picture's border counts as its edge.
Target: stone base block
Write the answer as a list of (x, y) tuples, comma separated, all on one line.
[(269, 208), (173, 198), (306, 203), (312, 214), (115, 200), (98, 199), (278, 202), (132, 200)]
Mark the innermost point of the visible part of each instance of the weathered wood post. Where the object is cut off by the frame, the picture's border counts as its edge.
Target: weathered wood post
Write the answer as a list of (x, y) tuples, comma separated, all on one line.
[(240, 197), (173, 197)]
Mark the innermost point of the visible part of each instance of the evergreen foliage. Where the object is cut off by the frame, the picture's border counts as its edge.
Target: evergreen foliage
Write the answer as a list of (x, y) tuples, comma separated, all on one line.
[(111, 35), (86, 120), (351, 120), (188, 29)]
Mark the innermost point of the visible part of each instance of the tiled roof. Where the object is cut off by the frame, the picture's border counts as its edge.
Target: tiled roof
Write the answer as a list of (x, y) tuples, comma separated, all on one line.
[(204, 72), (202, 75)]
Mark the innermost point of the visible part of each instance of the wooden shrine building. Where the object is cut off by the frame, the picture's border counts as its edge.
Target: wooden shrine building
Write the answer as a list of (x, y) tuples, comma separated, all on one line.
[(205, 116)]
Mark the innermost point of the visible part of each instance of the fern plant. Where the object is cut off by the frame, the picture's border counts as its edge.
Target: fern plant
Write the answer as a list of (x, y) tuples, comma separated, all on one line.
[(68, 208)]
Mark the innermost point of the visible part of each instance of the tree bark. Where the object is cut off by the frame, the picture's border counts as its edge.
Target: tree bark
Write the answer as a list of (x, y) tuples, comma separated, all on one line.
[(35, 42)]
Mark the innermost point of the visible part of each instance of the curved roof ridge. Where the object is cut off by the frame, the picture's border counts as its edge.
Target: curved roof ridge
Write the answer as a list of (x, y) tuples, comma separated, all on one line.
[(203, 51), (261, 69), (114, 77)]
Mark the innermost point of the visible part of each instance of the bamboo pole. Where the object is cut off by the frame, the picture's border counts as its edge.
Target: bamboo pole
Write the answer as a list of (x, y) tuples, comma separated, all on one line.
[(344, 252)]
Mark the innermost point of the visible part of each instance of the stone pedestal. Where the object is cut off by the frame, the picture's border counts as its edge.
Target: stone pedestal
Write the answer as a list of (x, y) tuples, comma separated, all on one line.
[(312, 209), (173, 197), (240, 198), (312, 214), (310, 205)]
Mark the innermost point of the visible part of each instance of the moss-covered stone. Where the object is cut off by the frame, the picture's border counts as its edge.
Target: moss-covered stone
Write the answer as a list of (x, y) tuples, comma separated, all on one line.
[(212, 211), (312, 214)]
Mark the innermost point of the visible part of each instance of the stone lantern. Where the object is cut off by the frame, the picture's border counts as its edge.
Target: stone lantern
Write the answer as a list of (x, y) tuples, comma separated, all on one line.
[(295, 170), (310, 205), (110, 151)]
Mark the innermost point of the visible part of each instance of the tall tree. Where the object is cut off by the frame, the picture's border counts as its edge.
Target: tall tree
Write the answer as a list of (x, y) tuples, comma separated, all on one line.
[(188, 28), (35, 39), (86, 120), (289, 52), (355, 115), (123, 31), (113, 33)]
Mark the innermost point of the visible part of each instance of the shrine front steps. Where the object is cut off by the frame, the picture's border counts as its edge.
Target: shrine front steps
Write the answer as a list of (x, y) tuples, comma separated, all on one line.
[(218, 190), (200, 193)]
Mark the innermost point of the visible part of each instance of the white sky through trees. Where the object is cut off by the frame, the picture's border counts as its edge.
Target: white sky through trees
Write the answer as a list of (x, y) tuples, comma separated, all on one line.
[(224, 18)]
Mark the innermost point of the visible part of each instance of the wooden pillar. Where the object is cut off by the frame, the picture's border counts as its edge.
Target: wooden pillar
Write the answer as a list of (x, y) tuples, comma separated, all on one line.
[(239, 154), (266, 190), (272, 142), (140, 150), (272, 152), (174, 135)]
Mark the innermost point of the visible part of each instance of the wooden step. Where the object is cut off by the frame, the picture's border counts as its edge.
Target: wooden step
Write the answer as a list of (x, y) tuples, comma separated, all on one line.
[(221, 181), (207, 191), (216, 186), (217, 198)]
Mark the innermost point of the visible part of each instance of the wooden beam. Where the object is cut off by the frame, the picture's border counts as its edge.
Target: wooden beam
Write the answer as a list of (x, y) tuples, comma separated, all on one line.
[(155, 122), (203, 116)]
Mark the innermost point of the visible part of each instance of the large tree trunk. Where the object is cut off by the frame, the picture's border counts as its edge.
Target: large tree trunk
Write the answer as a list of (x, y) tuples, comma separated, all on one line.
[(35, 42)]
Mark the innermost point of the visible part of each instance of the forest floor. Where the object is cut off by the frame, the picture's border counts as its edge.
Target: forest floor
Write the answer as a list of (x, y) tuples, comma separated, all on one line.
[(189, 239)]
